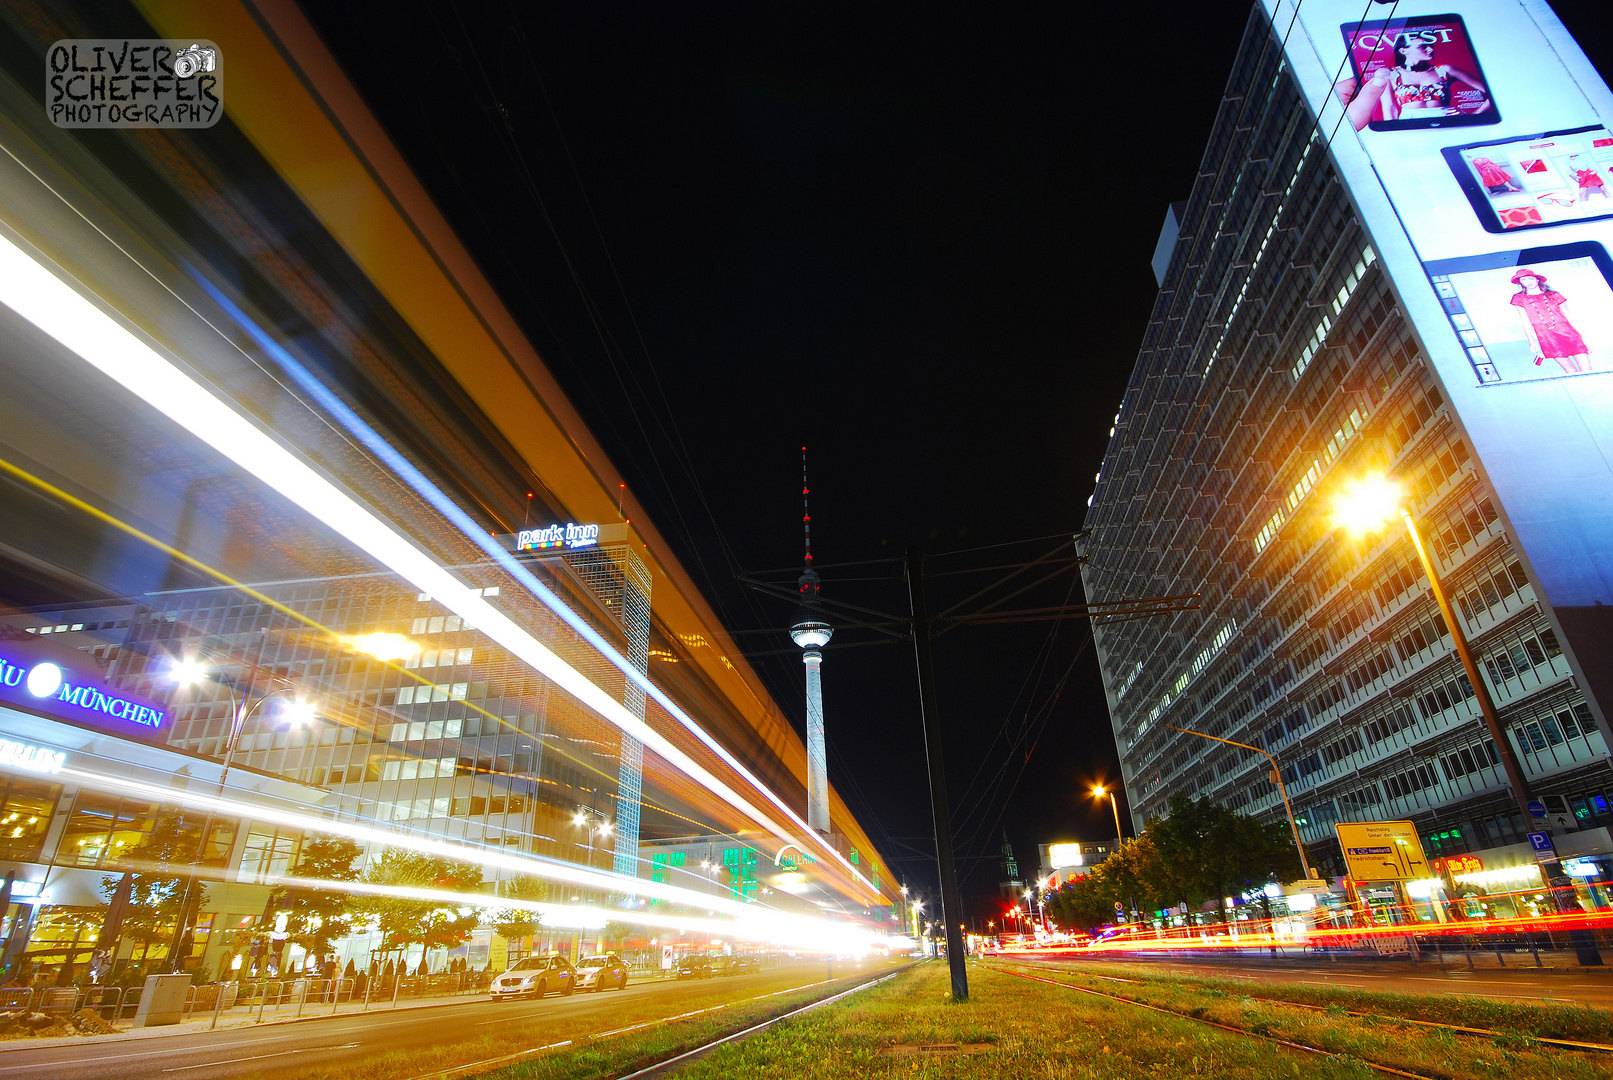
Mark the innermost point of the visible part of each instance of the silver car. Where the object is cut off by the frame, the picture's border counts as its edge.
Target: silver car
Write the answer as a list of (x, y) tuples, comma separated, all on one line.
[(601, 973), (535, 976)]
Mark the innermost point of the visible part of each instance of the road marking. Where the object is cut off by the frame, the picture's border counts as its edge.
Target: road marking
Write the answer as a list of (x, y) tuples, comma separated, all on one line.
[(148, 1053), (260, 1057)]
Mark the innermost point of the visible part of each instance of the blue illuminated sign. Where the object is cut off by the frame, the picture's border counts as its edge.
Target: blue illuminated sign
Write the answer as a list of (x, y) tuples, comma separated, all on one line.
[(55, 689)]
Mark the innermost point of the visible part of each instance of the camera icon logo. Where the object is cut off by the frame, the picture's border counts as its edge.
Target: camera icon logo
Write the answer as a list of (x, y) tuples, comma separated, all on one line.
[(191, 62)]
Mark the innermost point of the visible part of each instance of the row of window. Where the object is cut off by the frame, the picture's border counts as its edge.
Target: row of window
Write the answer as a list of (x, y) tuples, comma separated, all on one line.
[(1519, 651)]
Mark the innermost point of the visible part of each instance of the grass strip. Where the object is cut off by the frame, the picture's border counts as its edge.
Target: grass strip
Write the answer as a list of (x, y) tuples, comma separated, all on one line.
[(910, 1027), (1546, 1020), (1424, 1051), (639, 1033)]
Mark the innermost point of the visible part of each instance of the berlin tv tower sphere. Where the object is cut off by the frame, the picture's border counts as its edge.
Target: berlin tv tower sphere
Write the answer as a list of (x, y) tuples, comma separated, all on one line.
[(810, 631)]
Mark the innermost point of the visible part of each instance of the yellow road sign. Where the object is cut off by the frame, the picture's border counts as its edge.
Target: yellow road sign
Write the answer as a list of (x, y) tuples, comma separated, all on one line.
[(1382, 851)]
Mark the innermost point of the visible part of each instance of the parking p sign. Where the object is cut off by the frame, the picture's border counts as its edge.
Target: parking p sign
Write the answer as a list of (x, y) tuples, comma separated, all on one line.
[(1541, 843)]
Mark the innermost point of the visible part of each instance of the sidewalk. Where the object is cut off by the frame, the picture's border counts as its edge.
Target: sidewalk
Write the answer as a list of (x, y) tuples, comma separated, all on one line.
[(242, 1016)]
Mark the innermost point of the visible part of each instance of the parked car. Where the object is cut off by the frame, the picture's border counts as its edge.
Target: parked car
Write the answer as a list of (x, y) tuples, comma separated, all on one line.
[(735, 965), (695, 967), (601, 972), (534, 977)]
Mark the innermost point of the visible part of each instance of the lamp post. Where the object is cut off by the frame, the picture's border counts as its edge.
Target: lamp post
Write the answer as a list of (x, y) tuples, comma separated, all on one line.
[(300, 713), (1277, 778), (1368, 505), (1100, 791)]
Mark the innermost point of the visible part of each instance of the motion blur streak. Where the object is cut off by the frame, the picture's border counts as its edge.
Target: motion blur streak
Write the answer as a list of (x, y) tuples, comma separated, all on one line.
[(50, 304), (755, 922), (405, 469)]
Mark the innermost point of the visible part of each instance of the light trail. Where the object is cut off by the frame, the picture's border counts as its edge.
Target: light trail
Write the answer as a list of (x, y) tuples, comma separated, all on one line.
[(406, 470), (753, 922), (62, 313)]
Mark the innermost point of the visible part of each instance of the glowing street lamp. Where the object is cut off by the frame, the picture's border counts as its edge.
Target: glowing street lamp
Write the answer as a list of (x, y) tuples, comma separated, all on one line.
[(1099, 791), (1370, 504)]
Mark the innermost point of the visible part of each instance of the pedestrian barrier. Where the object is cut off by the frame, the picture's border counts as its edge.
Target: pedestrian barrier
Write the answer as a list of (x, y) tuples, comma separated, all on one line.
[(106, 1000), (58, 999), (16, 997)]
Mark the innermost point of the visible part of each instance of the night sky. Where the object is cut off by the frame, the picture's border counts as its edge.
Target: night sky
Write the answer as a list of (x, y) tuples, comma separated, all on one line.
[(914, 239)]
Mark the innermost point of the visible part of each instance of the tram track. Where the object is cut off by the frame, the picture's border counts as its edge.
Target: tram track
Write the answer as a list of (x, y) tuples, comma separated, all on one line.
[(1455, 1029), (1577, 1046)]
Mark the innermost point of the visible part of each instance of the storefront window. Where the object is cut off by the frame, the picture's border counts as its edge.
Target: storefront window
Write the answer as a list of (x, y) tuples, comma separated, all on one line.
[(25, 814), (269, 852), (63, 935), (104, 829)]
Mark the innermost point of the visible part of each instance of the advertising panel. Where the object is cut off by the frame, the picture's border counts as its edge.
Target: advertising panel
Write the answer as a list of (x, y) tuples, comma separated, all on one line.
[(1382, 851), (1477, 144)]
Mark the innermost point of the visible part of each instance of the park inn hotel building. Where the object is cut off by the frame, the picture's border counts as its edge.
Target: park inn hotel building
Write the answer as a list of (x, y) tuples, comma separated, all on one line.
[(1284, 355), (317, 422)]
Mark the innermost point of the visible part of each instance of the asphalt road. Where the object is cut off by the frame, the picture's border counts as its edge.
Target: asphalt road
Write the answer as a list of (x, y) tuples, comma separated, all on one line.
[(1518, 982), (294, 1047)]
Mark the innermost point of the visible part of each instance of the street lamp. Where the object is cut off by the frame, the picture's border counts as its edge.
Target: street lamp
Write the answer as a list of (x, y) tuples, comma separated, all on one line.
[(1282, 789), (1100, 791), (1369, 505)]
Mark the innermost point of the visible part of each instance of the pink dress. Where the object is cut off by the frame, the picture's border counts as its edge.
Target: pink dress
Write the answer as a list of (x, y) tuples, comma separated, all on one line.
[(1491, 174), (1556, 334)]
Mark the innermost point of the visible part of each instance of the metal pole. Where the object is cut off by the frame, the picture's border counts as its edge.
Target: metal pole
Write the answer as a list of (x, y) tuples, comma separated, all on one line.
[(1277, 778), (951, 904), (1584, 944), (1503, 746), (1116, 807)]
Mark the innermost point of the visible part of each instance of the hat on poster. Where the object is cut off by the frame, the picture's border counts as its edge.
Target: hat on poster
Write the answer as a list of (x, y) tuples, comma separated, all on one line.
[(1523, 272)]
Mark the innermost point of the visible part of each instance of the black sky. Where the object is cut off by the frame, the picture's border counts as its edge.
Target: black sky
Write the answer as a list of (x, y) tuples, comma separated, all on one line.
[(914, 238)]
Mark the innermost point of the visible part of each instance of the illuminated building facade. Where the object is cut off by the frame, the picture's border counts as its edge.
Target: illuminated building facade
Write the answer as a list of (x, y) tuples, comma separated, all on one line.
[(1287, 352), (262, 400)]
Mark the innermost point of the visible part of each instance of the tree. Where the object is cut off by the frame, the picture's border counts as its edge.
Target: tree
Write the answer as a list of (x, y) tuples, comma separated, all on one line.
[(317, 917), (518, 922), (404, 921), (1200, 851), (162, 865)]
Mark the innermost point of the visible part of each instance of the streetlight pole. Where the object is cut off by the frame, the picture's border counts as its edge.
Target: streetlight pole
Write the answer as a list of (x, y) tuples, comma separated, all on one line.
[(1100, 791), (1492, 720), (1277, 778)]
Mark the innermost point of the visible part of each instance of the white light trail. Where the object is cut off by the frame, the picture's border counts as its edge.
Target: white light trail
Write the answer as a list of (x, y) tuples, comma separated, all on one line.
[(757, 923), (61, 312)]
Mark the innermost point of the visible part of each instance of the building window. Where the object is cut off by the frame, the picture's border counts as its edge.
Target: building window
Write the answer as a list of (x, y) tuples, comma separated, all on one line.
[(25, 812)]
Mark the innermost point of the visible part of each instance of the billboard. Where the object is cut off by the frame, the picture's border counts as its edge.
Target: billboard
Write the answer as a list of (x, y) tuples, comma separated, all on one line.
[(1382, 851), (1475, 141)]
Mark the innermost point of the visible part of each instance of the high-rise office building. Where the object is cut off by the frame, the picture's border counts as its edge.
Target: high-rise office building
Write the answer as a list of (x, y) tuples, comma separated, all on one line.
[(1344, 293)]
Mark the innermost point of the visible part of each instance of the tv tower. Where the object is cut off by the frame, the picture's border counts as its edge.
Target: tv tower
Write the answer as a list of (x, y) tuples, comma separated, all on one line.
[(812, 633)]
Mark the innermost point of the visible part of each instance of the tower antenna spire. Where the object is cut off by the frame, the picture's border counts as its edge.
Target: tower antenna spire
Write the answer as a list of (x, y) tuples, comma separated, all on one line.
[(806, 509)]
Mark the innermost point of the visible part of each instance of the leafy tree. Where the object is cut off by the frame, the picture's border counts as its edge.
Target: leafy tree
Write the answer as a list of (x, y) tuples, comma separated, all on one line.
[(317, 917), (405, 921), (514, 922), (162, 863), (1200, 851)]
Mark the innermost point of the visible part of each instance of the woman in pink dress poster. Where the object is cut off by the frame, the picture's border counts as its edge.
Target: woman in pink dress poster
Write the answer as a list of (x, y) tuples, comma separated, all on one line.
[(1550, 334)]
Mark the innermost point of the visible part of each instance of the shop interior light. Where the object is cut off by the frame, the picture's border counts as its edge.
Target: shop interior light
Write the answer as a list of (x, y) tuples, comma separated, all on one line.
[(1506, 875), (43, 299)]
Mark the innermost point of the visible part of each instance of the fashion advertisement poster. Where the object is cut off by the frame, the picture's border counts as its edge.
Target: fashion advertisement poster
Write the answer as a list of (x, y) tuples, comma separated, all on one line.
[(1414, 72), (1469, 117), (1547, 318), (1546, 180)]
